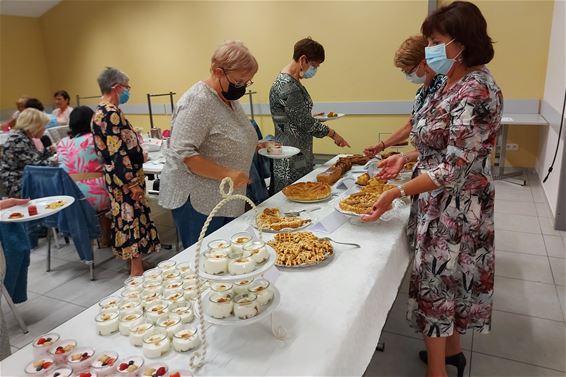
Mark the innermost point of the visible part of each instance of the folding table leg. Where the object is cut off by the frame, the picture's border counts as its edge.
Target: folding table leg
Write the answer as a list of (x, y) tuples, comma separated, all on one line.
[(48, 251), (13, 308)]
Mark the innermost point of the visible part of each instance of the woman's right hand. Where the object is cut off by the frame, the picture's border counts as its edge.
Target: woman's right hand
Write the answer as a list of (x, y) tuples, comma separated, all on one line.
[(373, 150), (239, 178), (391, 166)]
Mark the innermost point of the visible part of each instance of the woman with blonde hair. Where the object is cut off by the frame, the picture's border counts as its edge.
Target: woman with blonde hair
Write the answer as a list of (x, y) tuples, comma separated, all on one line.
[(19, 149), (212, 138), (410, 59)]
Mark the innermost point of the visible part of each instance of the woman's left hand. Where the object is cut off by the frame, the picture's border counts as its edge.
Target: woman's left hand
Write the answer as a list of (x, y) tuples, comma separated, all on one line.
[(339, 140), (381, 205), (11, 202)]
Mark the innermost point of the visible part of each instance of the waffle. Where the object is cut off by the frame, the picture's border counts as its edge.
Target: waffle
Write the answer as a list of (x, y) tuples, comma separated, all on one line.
[(300, 248), (307, 191), (272, 219)]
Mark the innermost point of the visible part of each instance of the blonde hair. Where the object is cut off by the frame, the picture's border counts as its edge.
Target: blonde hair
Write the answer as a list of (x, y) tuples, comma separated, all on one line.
[(411, 52), (234, 56), (31, 120)]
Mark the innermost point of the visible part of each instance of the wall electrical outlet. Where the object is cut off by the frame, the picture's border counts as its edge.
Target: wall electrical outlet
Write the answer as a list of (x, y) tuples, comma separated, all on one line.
[(512, 147)]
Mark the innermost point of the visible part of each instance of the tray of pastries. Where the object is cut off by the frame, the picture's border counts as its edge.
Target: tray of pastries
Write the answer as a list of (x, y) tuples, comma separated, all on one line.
[(341, 167), (300, 249), (307, 192), (361, 202), (272, 220)]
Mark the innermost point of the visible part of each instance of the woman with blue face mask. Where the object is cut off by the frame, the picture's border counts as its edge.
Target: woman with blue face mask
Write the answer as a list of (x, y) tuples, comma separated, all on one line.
[(117, 145), (452, 277), (410, 59), (291, 111)]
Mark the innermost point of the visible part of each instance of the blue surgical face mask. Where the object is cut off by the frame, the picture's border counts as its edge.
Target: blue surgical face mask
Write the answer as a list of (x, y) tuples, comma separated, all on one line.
[(309, 73), (414, 78), (124, 96), (437, 60)]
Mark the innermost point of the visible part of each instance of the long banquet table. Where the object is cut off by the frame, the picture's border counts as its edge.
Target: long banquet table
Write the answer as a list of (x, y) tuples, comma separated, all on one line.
[(333, 313)]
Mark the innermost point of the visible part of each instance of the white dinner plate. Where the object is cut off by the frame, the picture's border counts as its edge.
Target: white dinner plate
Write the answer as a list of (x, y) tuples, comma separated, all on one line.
[(42, 210), (264, 311), (227, 277), (286, 152), (324, 117)]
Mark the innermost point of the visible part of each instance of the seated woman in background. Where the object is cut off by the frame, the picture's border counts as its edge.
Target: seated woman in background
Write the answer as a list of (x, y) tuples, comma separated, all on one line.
[(19, 150), (62, 109), (77, 156), (20, 106)]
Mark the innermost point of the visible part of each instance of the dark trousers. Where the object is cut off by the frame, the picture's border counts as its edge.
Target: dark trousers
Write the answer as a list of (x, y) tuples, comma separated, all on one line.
[(189, 223), (17, 254)]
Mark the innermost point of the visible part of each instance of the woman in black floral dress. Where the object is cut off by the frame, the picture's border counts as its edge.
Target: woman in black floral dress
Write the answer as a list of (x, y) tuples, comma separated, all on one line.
[(117, 145)]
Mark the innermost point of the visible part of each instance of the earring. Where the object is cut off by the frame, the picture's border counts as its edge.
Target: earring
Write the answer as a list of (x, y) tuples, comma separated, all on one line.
[(301, 74)]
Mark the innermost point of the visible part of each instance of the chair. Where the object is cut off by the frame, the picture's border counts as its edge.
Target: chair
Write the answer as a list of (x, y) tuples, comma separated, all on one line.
[(79, 221), (57, 133), (4, 292)]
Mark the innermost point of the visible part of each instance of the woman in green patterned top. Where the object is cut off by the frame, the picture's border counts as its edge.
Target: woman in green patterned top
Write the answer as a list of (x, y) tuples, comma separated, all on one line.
[(291, 110)]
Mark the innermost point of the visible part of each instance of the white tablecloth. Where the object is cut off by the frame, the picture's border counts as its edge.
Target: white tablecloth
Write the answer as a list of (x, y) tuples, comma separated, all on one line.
[(333, 314)]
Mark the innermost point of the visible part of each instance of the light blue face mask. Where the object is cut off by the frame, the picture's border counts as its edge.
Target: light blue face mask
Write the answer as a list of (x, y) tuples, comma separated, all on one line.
[(437, 60), (414, 78), (124, 96), (309, 73)]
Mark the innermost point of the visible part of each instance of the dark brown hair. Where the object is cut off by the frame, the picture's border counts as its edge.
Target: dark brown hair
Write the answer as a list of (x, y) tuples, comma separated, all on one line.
[(310, 48), (64, 94), (464, 22)]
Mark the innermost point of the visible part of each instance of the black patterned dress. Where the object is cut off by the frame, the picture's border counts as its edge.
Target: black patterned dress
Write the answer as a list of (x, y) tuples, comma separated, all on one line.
[(117, 145), (291, 110)]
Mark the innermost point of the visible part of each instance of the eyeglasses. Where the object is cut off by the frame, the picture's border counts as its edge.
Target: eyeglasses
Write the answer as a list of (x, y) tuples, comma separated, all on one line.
[(124, 85), (411, 70), (237, 84)]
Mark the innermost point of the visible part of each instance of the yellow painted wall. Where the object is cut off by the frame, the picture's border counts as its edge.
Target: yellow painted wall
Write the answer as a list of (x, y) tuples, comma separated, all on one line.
[(166, 45), (23, 68)]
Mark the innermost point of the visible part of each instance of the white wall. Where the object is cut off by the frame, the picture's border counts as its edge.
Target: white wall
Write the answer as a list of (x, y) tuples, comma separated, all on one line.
[(552, 106)]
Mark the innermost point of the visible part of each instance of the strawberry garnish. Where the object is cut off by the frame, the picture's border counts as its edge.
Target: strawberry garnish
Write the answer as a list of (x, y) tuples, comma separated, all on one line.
[(161, 371), (46, 364), (40, 341), (123, 366), (87, 374)]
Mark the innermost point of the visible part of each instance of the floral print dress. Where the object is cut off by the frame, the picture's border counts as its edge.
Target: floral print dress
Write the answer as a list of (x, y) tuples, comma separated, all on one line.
[(117, 145), (77, 155), (451, 287)]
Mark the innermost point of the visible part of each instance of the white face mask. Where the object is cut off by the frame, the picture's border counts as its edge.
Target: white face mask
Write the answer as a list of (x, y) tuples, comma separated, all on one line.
[(414, 78)]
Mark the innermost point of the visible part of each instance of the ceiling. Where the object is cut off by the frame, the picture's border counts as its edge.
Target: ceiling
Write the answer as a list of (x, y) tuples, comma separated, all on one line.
[(26, 8)]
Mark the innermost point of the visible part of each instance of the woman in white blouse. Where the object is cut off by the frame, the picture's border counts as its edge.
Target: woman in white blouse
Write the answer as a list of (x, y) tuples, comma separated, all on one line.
[(212, 138), (62, 109)]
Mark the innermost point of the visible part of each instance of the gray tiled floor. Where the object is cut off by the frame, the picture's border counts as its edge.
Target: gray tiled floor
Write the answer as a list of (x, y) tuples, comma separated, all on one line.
[(529, 329), (529, 332)]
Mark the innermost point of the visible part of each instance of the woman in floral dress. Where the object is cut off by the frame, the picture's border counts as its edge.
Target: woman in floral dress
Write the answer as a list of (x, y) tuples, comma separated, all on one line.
[(117, 145), (451, 288)]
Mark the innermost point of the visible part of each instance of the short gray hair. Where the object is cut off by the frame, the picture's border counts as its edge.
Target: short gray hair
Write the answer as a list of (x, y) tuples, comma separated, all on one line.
[(110, 77)]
